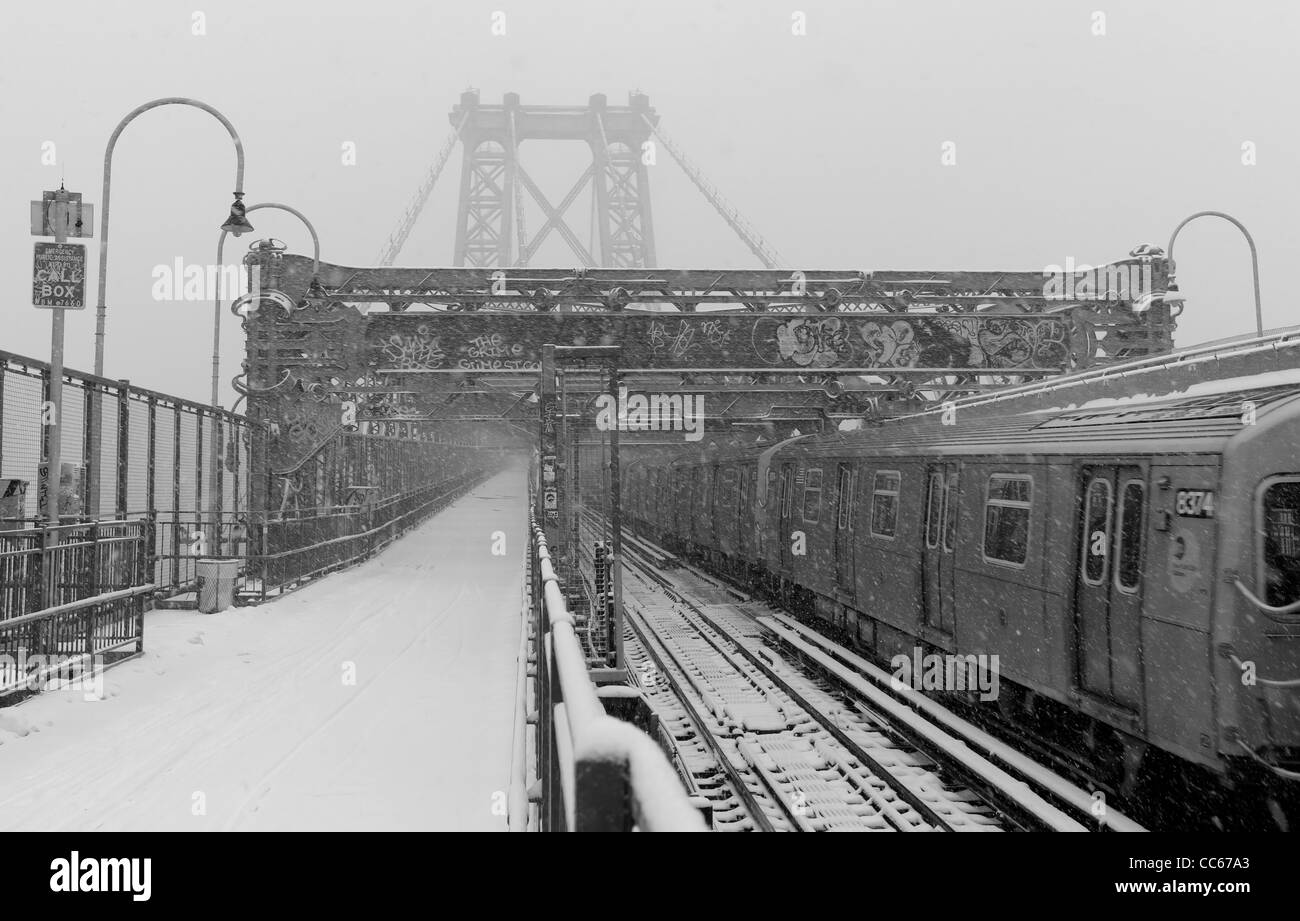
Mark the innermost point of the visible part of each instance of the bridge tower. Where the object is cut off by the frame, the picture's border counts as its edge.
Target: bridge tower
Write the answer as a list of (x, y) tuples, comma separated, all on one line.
[(490, 226)]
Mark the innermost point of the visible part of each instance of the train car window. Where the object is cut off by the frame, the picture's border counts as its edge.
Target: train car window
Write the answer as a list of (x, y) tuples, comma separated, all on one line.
[(1280, 527), (1096, 532), (950, 514), (934, 510), (884, 503), (742, 495), (1006, 518), (767, 487), (787, 491), (1128, 558), (844, 498), (812, 496)]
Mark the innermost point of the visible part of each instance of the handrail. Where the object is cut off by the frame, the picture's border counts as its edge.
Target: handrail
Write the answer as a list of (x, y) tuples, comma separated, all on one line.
[(588, 742), (1288, 337), (1264, 607), (105, 598), (1267, 682), (1279, 771)]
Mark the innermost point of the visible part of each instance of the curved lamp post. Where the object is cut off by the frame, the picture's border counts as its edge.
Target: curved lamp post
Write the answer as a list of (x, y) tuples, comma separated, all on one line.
[(216, 319), (216, 307), (236, 222), (1254, 257)]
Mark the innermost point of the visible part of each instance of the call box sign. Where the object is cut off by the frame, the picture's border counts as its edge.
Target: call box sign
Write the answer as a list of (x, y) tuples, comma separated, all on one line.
[(59, 276)]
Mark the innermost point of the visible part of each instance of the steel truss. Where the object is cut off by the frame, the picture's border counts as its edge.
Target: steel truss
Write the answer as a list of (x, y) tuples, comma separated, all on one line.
[(490, 226), (441, 347)]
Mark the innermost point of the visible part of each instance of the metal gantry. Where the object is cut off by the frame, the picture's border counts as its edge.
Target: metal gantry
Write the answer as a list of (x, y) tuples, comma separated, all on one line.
[(409, 351)]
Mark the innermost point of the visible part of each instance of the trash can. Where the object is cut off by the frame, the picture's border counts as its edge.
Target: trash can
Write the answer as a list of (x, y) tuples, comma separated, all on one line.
[(216, 584)]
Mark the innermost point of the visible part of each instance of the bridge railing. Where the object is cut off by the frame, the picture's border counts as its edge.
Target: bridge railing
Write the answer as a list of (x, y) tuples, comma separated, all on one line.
[(160, 457), (55, 566), (74, 598), (595, 772), (285, 551)]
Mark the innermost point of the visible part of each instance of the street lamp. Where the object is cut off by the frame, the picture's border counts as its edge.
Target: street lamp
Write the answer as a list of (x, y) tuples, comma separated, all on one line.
[(1254, 258), (235, 223), (214, 459), (221, 243)]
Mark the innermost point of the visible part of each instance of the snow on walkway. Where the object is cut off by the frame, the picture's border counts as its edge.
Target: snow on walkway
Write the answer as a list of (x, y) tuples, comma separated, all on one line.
[(245, 716)]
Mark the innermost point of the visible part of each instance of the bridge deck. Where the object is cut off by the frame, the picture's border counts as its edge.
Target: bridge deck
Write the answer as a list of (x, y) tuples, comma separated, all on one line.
[(249, 710)]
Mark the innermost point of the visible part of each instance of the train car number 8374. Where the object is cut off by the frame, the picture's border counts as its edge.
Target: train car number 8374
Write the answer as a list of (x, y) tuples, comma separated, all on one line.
[(1194, 503)]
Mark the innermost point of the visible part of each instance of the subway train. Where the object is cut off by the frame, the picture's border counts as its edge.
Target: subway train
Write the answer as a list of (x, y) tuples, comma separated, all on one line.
[(1133, 562)]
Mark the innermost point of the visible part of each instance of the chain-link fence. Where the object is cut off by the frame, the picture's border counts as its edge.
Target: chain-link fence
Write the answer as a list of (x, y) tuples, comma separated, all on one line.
[(180, 464)]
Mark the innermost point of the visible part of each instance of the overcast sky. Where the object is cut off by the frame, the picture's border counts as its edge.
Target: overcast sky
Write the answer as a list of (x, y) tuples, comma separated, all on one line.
[(1069, 144)]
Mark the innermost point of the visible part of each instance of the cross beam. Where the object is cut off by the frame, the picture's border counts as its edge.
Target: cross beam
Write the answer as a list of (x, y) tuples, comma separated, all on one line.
[(391, 344)]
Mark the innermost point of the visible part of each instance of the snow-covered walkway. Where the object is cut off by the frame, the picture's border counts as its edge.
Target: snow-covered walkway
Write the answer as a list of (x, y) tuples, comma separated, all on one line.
[(245, 719)]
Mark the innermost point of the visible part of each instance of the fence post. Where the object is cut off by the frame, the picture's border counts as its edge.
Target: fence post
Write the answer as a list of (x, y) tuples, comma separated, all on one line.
[(39, 587), (218, 486), (151, 487), (198, 471), (148, 561), (123, 445), (147, 568), (91, 428), (88, 647), (176, 500), (93, 568)]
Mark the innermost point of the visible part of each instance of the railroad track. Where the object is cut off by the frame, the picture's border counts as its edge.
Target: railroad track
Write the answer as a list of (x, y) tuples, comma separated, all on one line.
[(917, 753), (771, 746)]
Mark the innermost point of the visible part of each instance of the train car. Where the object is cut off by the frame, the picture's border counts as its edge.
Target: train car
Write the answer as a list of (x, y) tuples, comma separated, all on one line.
[(1133, 564)]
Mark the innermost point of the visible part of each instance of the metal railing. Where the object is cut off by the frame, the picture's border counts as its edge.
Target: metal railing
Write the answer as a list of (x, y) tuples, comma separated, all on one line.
[(43, 568), (176, 462), (74, 598), (311, 543), (595, 772)]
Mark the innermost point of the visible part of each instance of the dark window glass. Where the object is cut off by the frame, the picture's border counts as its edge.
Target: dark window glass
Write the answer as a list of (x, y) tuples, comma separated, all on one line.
[(950, 505), (1096, 532), (884, 503), (1006, 519), (1128, 567), (812, 496), (934, 510), (1281, 526), (845, 496)]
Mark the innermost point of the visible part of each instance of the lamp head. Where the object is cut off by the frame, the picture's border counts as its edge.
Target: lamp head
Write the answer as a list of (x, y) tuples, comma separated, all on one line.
[(237, 224)]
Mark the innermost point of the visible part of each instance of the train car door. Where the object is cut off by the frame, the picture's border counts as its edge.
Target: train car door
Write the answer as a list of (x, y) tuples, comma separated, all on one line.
[(844, 567), (1107, 595), (786, 496), (940, 541)]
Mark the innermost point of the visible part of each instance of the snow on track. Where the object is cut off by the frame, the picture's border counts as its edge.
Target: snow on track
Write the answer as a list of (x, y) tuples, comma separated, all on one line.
[(247, 711)]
